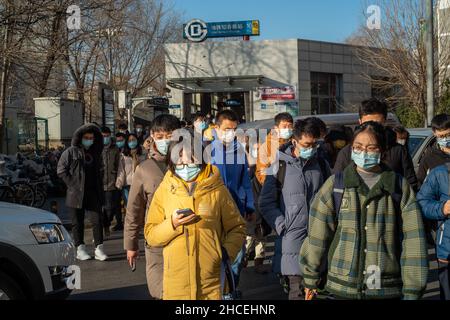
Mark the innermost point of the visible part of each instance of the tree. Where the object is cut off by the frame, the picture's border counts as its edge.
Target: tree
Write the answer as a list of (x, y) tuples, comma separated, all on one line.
[(397, 52)]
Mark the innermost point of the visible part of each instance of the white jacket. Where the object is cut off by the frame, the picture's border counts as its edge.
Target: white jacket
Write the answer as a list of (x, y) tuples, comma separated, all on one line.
[(126, 171)]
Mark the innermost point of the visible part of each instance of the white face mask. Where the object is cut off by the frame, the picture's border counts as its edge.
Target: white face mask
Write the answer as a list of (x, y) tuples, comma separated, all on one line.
[(401, 141), (228, 136)]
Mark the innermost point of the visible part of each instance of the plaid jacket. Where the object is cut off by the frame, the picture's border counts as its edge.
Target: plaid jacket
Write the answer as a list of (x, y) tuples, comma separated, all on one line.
[(372, 252)]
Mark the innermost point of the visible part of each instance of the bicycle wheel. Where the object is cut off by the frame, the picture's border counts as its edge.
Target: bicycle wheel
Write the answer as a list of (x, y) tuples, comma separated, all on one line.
[(24, 194), (7, 194), (40, 196)]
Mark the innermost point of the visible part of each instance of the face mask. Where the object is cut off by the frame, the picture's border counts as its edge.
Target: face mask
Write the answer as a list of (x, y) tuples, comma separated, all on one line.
[(285, 133), (187, 173), (444, 142), (139, 130), (123, 131), (162, 146), (307, 153), (339, 144), (120, 144), (200, 126), (365, 160), (133, 144), (401, 142), (228, 136), (87, 143), (106, 140)]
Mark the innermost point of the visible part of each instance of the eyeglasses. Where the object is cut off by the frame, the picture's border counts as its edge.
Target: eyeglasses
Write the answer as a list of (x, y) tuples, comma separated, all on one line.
[(182, 166), (369, 149)]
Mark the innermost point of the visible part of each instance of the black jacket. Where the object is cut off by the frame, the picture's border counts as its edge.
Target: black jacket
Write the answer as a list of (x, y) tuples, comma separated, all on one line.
[(397, 158), (432, 158), (71, 167), (111, 160)]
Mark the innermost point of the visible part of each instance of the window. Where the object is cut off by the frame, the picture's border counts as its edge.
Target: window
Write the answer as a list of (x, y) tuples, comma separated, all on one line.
[(326, 92)]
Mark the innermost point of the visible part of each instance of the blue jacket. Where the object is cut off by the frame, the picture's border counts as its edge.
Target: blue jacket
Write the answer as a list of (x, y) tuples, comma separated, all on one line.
[(432, 197), (233, 167), (288, 212)]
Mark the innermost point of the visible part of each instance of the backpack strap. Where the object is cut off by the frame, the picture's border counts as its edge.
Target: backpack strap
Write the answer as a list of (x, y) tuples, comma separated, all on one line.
[(281, 174), (338, 193)]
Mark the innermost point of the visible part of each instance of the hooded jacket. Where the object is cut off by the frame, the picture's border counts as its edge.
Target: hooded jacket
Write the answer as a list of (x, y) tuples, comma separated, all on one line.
[(366, 235), (71, 167), (432, 197), (233, 166), (432, 158), (193, 253), (288, 212)]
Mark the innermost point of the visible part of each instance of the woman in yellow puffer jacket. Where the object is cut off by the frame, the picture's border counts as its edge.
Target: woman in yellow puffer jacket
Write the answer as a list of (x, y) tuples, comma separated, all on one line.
[(194, 246)]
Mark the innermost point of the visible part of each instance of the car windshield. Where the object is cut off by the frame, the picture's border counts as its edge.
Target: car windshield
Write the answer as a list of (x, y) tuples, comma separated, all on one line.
[(414, 144)]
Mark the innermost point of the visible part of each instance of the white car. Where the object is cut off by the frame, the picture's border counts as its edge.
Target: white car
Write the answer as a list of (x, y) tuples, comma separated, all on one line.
[(35, 253)]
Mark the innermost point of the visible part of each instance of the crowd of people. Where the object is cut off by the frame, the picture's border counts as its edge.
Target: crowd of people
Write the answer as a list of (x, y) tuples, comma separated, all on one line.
[(350, 218)]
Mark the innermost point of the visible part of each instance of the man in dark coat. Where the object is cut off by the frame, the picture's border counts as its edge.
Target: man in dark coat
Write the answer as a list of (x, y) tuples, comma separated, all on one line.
[(81, 169), (397, 157), (286, 198)]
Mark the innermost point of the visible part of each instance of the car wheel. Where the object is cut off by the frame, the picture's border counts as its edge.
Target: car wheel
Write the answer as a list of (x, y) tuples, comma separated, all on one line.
[(9, 289)]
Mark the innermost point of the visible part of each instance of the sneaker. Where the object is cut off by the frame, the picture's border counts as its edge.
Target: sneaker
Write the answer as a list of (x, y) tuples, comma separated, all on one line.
[(100, 254), (82, 254)]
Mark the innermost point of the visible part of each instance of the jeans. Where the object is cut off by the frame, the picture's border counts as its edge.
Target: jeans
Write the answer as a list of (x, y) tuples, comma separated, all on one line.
[(78, 226), (237, 265), (111, 208), (125, 194), (444, 280)]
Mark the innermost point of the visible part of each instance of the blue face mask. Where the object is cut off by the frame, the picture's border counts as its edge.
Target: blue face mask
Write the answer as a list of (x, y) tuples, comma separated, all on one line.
[(307, 153), (120, 144), (106, 140), (87, 143), (201, 126), (444, 142), (366, 160), (286, 133), (133, 144), (162, 146), (188, 173)]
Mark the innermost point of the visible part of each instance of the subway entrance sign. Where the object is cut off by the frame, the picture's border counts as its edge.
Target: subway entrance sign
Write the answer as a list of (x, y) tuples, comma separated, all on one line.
[(197, 30)]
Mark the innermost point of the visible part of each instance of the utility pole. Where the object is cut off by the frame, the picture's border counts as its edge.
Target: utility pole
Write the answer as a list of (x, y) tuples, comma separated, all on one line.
[(430, 60)]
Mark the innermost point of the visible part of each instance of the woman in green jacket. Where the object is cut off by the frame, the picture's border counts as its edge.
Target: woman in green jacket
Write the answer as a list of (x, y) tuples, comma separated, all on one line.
[(366, 224)]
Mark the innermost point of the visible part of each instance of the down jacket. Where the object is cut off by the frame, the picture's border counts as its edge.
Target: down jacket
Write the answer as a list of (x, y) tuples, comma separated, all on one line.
[(193, 254), (288, 212), (71, 166)]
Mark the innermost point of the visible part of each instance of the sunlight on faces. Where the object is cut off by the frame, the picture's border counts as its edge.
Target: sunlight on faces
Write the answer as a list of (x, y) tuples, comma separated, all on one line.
[(226, 128), (307, 141), (377, 117), (366, 142)]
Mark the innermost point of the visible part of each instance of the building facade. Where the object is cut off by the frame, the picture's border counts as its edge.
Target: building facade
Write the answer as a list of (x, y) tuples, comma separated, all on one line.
[(259, 79)]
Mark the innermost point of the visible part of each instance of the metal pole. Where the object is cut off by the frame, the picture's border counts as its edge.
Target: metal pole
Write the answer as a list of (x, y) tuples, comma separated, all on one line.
[(430, 61)]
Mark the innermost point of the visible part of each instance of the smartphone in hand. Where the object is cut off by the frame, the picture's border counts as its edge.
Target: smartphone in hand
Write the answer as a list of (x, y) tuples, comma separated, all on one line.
[(186, 212)]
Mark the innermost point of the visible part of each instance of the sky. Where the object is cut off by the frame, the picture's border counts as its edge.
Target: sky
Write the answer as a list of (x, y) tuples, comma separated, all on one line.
[(324, 20)]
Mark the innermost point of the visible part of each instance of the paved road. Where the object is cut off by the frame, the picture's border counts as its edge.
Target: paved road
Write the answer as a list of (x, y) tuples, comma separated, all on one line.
[(114, 280)]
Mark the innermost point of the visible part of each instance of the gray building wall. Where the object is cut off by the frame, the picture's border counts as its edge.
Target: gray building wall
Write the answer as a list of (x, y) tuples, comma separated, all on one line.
[(281, 62)]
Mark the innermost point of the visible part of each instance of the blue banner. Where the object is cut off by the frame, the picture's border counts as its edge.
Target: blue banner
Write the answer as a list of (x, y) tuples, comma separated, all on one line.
[(197, 30)]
